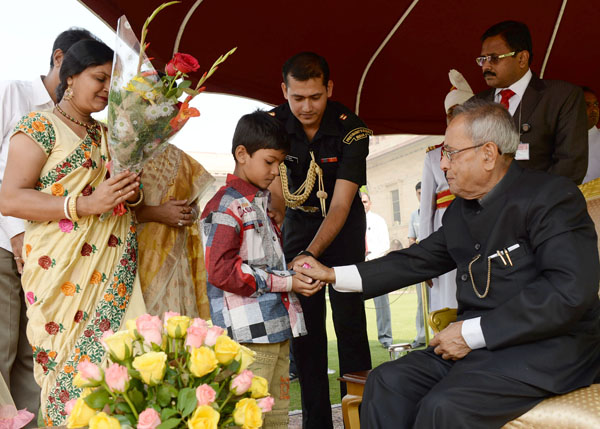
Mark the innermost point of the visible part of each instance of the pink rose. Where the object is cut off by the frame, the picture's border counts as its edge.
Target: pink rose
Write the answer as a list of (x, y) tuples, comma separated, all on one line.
[(213, 333), (266, 404), (205, 395), (65, 225), (88, 371), (195, 336), (69, 406), (148, 419), (199, 323), (150, 328), (241, 382), (30, 297), (117, 378)]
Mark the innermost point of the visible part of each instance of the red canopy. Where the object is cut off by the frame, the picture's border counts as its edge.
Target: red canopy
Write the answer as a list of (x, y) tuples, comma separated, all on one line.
[(404, 89)]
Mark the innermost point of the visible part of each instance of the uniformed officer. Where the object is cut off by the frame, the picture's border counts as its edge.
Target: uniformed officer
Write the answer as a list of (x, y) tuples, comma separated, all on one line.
[(325, 218)]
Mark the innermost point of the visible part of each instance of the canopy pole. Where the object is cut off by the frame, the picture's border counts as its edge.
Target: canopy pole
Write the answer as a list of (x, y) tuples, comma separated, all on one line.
[(183, 25), (556, 25), (370, 63)]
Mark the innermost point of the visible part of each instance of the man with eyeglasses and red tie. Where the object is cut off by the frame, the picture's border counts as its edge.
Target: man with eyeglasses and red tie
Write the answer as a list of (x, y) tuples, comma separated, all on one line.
[(549, 114)]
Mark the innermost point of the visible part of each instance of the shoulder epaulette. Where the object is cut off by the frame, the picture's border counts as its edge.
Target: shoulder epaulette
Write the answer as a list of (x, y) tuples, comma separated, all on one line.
[(430, 148)]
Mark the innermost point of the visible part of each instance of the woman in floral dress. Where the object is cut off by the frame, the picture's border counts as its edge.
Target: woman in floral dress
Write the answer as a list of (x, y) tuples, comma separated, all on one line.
[(79, 276)]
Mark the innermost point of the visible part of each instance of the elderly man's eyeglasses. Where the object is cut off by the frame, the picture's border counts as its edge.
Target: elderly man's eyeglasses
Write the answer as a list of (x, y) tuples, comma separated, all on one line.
[(450, 153), (493, 59)]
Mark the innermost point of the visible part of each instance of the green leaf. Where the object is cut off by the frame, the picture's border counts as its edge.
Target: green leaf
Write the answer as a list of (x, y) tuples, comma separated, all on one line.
[(125, 420), (123, 407), (137, 398), (164, 395), (168, 424), (167, 413), (185, 84), (190, 91), (97, 399), (186, 401), (234, 366)]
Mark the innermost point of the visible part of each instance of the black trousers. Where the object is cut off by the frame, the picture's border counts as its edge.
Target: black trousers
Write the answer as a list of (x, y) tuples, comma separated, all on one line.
[(310, 351), (423, 391)]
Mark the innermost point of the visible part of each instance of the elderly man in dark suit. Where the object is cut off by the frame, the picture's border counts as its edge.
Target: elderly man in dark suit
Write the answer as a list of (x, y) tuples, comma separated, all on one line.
[(550, 114), (525, 250)]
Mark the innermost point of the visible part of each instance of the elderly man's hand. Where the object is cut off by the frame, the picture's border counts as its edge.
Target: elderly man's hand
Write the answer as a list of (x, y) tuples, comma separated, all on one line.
[(450, 343), (314, 269)]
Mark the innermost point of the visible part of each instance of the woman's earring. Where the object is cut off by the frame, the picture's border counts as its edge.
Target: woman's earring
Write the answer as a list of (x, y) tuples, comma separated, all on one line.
[(68, 94)]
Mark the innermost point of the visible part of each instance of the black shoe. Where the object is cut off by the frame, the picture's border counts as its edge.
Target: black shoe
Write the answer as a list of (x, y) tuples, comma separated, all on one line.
[(416, 345)]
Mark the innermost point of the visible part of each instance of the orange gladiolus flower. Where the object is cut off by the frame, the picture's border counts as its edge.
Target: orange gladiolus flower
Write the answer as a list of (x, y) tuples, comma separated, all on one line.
[(185, 113)]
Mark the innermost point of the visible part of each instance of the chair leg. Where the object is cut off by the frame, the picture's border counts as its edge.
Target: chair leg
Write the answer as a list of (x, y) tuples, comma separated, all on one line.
[(350, 404), (425, 303)]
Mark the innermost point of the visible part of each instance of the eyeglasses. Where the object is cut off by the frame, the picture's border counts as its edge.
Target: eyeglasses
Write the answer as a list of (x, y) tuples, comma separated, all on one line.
[(450, 153), (493, 59)]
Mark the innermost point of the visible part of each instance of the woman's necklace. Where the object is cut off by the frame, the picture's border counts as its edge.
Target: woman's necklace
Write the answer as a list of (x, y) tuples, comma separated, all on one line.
[(93, 129)]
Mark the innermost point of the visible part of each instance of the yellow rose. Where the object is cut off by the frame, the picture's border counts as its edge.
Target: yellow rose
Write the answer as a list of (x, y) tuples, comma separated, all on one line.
[(260, 387), (104, 421), (80, 414), (131, 328), (202, 361), (177, 326), (152, 367), (245, 357), (226, 349), (247, 414), (205, 417), (120, 345)]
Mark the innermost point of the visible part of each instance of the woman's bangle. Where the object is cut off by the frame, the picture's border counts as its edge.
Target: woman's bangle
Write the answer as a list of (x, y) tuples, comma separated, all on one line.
[(139, 200), (66, 207), (73, 209)]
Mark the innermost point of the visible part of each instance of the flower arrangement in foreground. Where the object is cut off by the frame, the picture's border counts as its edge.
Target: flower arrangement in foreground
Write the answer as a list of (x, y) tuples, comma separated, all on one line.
[(144, 109), (173, 374)]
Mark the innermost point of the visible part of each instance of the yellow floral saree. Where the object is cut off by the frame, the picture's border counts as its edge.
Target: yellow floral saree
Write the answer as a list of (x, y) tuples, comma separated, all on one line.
[(79, 277), (171, 260)]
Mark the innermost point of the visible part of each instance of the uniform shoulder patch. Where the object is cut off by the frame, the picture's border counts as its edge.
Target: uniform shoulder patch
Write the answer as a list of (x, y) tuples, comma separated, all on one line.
[(357, 134), (430, 148)]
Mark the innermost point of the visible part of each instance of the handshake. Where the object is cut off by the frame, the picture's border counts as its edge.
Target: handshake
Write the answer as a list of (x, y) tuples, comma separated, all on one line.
[(310, 275)]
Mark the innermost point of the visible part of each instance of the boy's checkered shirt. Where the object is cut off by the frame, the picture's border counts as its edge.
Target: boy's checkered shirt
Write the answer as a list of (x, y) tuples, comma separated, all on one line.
[(248, 285)]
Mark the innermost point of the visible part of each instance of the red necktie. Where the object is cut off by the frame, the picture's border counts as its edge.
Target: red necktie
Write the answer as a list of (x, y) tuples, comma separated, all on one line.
[(505, 95)]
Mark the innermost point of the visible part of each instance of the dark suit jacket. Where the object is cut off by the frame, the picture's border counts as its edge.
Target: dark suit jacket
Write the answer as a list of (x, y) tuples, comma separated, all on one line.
[(541, 318), (558, 139)]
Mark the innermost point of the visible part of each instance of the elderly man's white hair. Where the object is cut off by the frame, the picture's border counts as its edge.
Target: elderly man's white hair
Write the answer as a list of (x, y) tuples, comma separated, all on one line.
[(486, 121)]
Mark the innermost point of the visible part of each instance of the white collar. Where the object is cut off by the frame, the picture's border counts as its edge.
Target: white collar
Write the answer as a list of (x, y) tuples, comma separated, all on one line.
[(519, 86), (40, 95)]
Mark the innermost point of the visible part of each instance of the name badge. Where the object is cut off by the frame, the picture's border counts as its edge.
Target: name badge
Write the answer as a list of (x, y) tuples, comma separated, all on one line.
[(522, 152)]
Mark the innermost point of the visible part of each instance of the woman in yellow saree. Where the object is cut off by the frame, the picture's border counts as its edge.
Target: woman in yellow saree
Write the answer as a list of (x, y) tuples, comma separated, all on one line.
[(79, 274), (171, 258)]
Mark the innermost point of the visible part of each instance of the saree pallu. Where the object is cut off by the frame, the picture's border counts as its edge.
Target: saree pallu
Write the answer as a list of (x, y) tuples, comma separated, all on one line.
[(79, 276), (171, 259)]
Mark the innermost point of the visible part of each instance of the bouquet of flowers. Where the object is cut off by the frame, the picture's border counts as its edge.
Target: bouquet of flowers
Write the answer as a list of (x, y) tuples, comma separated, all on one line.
[(144, 110), (175, 373)]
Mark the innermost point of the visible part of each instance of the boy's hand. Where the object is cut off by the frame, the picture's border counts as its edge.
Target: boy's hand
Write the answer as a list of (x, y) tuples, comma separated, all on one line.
[(305, 285), (314, 269)]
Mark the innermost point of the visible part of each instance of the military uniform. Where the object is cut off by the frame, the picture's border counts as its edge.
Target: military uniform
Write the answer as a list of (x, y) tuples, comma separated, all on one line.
[(340, 148)]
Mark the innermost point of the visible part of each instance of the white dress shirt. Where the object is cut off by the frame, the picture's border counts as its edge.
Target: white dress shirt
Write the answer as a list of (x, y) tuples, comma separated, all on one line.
[(518, 88), (593, 171), (17, 98), (347, 279), (378, 238)]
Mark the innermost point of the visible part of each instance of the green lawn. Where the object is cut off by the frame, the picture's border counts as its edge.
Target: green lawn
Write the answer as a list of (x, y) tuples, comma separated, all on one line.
[(403, 305)]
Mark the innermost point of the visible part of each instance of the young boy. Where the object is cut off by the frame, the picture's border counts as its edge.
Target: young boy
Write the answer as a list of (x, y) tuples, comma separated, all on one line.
[(250, 291)]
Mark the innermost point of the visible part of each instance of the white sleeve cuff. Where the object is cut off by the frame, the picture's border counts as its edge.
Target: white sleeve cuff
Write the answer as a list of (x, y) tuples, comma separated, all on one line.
[(347, 279), (11, 225), (471, 332)]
